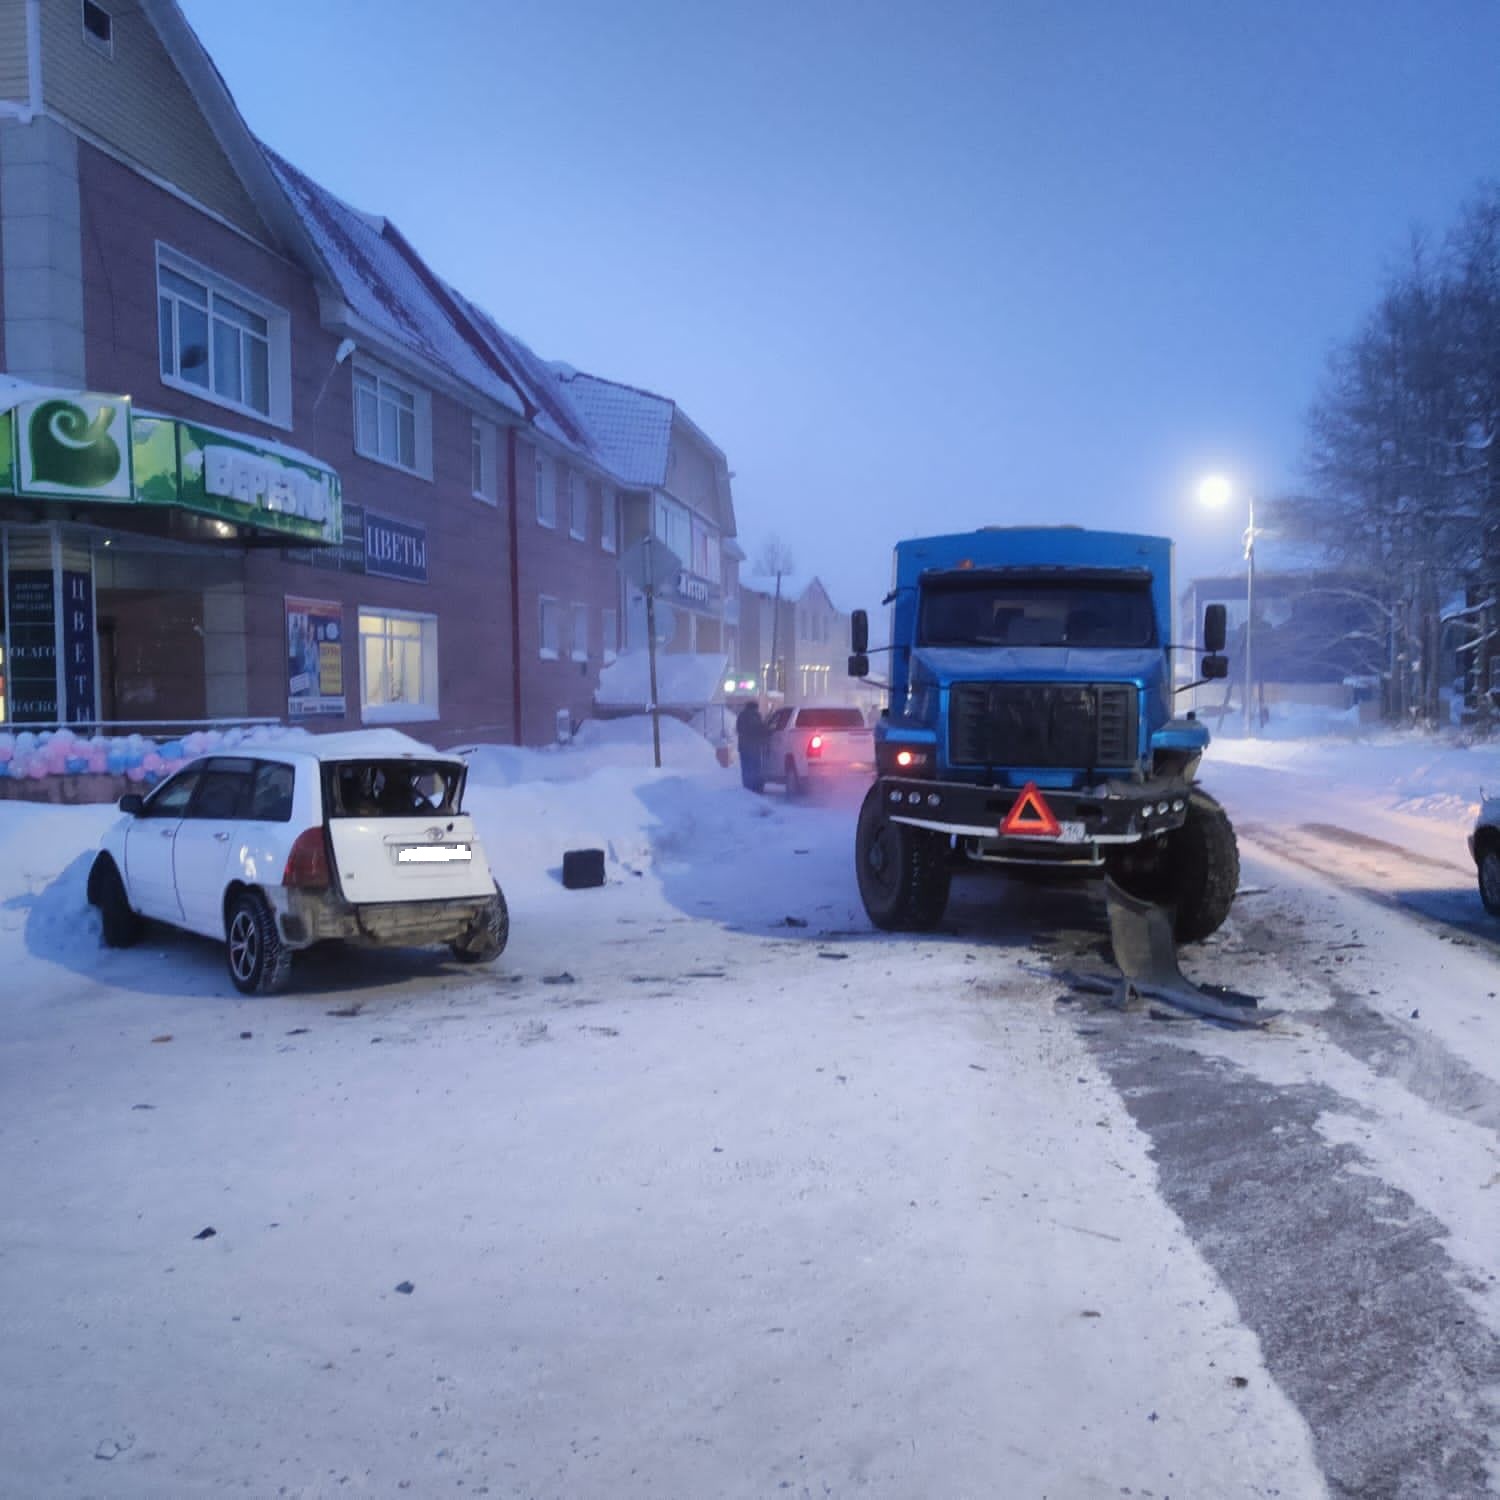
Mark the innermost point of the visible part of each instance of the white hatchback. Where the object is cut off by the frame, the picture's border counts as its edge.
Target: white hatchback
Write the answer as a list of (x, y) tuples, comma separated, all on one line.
[(360, 837)]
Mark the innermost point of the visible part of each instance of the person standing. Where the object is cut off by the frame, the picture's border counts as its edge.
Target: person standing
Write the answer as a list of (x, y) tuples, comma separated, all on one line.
[(750, 733)]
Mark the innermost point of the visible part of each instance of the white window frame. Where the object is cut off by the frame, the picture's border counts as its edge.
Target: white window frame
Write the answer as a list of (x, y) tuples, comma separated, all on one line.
[(483, 438), (554, 651), (546, 489), (610, 633), (278, 338), (609, 520), (389, 387), (105, 47), (400, 713), (576, 652), (578, 506)]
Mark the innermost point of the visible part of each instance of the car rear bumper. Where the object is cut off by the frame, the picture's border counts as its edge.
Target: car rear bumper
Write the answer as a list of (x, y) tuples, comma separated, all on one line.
[(307, 917), (1126, 815)]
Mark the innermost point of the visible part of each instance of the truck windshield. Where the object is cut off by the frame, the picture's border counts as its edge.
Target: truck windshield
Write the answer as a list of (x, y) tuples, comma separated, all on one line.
[(1031, 613)]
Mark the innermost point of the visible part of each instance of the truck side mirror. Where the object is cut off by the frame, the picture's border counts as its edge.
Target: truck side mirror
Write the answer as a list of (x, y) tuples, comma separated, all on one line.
[(1215, 627), (859, 665), (1215, 668), (859, 637)]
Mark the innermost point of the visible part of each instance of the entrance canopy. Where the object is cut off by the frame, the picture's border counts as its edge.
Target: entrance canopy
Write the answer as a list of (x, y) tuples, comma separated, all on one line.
[(83, 447)]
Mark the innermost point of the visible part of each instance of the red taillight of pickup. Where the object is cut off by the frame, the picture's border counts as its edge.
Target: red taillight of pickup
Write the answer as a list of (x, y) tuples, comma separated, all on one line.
[(307, 866), (815, 747)]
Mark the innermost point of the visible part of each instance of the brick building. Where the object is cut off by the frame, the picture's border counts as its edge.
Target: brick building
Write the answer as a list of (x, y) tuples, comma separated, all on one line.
[(339, 492)]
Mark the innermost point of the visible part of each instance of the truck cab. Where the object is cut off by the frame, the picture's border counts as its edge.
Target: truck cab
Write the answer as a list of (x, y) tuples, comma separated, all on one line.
[(1031, 723)]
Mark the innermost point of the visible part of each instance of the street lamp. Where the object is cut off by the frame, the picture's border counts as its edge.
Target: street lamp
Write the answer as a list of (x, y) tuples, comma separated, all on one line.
[(1215, 491)]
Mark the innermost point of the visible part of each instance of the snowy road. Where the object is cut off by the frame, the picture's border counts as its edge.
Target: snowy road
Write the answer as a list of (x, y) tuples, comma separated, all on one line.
[(696, 1202)]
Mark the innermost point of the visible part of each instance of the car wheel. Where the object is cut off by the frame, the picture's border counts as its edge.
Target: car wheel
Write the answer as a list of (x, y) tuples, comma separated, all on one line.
[(486, 940), (259, 962), (1489, 879), (795, 785), (121, 926)]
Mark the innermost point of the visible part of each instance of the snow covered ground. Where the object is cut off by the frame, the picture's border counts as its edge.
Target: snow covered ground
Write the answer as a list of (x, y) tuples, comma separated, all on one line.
[(707, 1189)]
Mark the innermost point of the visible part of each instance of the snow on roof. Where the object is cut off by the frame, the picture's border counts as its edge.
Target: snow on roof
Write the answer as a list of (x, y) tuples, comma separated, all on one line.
[(384, 284), (682, 681), (357, 744), (631, 429)]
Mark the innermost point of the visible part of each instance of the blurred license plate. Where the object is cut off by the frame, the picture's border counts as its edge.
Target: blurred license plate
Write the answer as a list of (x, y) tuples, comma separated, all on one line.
[(432, 854), (1067, 833)]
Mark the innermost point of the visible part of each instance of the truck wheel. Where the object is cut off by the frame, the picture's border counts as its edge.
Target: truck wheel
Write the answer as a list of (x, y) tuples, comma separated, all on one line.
[(1204, 865), (1489, 877), (902, 871), (259, 963), (486, 940), (1195, 870)]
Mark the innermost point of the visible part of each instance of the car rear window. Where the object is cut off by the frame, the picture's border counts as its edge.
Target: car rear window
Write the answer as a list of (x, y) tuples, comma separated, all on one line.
[(391, 788), (830, 718)]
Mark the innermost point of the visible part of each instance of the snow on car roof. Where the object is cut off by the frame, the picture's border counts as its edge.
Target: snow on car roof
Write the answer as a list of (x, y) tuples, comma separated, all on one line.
[(356, 744)]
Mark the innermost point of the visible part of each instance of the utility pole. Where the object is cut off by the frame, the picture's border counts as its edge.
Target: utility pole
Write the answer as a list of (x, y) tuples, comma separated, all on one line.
[(650, 577), (1249, 618)]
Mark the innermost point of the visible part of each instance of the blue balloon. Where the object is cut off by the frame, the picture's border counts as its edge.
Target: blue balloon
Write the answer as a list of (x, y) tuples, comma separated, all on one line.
[(75, 765)]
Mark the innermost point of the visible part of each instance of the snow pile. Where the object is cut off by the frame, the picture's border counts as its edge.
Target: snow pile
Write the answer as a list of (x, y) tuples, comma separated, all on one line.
[(625, 743), (28, 754), (682, 681)]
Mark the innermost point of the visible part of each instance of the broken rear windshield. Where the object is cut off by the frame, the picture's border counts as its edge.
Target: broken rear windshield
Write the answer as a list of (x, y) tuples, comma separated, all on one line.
[(391, 788), (1028, 613)]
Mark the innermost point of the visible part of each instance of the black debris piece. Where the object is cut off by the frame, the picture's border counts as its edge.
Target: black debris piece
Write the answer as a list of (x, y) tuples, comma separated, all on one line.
[(206, 1234), (405, 1288)]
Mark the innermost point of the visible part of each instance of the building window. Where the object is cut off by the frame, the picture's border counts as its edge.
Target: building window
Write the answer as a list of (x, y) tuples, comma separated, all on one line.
[(546, 491), (98, 28), (609, 521), (674, 527), (398, 669), (611, 621), (218, 341), (580, 632), (385, 419), (482, 450), (551, 626), (578, 507)]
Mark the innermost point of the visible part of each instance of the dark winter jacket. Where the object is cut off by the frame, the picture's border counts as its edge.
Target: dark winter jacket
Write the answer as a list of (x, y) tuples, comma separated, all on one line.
[(750, 728)]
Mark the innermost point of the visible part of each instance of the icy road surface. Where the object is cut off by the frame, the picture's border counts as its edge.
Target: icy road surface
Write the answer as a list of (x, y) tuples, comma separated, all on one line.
[(691, 1199)]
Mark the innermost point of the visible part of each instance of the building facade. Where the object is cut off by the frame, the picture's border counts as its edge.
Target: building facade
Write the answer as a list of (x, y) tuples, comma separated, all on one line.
[(795, 641)]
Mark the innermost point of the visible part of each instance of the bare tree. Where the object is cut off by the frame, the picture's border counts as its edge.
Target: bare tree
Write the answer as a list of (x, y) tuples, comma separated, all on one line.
[(775, 560)]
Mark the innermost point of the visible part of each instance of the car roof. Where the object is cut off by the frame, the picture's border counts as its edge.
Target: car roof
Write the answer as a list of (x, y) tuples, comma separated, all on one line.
[(366, 744)]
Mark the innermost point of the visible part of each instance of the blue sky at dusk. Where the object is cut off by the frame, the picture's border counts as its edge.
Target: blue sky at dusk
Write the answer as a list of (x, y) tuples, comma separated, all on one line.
[(914, 268)]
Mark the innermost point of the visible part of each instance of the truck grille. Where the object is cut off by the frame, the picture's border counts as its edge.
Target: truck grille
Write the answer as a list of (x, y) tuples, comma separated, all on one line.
[(1055, 724)]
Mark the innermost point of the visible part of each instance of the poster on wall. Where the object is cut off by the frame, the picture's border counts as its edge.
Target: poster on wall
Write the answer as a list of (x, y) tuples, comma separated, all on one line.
[(314, 657), (32, 631)]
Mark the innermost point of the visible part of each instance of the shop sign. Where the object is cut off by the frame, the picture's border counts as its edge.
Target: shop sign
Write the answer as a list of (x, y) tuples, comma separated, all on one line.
[(75, 446), (696, 590), (314, 657), (347, 557), (395, 549), (78, 646), (32, 637), (236, 479)]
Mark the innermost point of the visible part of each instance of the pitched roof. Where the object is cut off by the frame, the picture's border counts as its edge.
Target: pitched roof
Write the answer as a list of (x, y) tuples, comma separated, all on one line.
[(631, 428), (387, 286)]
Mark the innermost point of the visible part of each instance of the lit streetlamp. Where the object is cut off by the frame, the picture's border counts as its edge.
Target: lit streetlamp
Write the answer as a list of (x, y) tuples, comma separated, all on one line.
[(1215, 491)]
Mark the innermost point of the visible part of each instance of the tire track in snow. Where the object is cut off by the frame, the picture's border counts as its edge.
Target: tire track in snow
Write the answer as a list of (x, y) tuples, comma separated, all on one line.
[(1345, 1280)]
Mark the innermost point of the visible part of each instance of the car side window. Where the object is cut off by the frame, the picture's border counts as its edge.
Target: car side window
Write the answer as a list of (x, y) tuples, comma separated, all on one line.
[(271, 801), (171, 798), (779, 719), (223, 790)]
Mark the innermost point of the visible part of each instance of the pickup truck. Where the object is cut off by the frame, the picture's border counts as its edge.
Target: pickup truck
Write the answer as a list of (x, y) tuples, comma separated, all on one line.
[(814, 743)]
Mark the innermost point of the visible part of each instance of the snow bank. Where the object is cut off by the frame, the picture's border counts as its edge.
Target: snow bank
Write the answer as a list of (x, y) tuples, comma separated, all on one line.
[(598, 744)]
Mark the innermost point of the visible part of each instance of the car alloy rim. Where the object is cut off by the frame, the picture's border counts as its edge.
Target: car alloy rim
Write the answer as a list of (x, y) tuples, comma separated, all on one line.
[(244, 943)]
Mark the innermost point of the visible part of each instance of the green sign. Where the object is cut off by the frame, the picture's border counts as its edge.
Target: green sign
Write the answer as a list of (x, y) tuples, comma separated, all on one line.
[(74, 446)]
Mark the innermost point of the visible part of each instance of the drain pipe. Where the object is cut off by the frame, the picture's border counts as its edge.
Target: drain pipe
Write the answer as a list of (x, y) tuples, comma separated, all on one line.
[(515, 580), (12, 109)]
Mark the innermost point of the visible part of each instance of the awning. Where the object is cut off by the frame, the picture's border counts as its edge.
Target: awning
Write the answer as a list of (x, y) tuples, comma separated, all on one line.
[(81, 446)]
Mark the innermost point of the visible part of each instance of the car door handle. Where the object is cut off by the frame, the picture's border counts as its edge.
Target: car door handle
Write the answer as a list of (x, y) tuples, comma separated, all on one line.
[(167, 833), (221, 837)]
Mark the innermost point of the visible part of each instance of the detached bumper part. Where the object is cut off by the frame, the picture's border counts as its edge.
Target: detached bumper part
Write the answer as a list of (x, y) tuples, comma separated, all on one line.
[(306, 917)]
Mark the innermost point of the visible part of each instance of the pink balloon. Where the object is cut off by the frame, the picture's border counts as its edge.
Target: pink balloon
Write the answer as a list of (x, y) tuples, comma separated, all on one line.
[(135, 773)]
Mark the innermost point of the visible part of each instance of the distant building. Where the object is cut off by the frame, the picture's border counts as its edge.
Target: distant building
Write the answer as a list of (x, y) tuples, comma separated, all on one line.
[(797, 650)]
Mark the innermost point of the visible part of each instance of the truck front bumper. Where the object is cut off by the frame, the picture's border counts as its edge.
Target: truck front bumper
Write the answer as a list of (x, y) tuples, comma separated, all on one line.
[(1117, 813)]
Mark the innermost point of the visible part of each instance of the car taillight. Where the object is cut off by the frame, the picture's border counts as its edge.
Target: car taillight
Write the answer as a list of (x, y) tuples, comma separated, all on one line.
[(307, 864), (815, 745)]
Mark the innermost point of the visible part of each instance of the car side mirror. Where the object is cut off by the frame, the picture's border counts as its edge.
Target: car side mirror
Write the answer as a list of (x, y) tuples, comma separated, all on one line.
[(859, 666), (1215, 628), (859, 637), (132, 803), (1215, 667)]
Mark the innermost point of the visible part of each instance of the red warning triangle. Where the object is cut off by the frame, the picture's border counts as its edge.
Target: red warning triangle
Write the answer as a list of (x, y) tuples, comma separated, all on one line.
[(1031, 815)]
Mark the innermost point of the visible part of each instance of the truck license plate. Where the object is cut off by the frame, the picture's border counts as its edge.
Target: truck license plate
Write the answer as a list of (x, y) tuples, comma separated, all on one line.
[(1067, 833), (432, 854)]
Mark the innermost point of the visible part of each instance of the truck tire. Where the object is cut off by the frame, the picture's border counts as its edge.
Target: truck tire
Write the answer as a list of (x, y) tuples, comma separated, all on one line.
[(903, 872), (1204, 869), (1196, 871)]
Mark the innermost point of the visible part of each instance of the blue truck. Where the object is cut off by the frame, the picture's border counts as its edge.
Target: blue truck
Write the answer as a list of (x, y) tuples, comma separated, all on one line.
[(1031, 724)]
